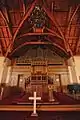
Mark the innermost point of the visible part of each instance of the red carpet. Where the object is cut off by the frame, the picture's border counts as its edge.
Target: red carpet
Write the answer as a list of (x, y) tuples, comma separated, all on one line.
[(65, 99), (13, 95), (41, 116)]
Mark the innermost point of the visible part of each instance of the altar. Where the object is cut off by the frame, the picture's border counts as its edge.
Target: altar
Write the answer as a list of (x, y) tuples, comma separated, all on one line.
[(40, 84)]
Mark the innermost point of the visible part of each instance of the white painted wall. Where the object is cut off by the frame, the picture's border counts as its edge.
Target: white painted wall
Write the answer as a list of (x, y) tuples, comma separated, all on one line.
[(4, 63), (8, 77), (72, 70), (77, 67), (1, 67)]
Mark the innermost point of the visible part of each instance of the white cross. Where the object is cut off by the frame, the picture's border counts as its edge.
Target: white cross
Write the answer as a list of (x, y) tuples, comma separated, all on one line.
[(34, 107)]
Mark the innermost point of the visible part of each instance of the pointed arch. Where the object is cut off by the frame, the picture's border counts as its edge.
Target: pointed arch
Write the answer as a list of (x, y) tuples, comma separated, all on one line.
[(21, 23)]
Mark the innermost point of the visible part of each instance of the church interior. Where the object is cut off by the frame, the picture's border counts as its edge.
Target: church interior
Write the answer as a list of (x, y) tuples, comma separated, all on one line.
[(39, 59)]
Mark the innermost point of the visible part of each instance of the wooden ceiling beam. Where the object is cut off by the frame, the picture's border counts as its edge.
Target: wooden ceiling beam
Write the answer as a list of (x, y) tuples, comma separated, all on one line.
[(37, 34), (36, 43), (1, 49), (24, 6), (3, 44), (6, 21), (6, 14), (53, 19), (57, 45), (3, 41), (56, 24), (73, 15), (30, 43), (8, 27), (77, 45), (69, 21), (69, 14), (53, 32), (27, 14), (50, 15), (70, 18)]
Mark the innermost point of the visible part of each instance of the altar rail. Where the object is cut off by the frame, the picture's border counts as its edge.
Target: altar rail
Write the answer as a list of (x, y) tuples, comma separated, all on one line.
[(42, 107)]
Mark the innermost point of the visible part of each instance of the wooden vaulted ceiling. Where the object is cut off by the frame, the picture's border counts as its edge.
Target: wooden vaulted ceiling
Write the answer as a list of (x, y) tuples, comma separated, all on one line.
[(61, 29)]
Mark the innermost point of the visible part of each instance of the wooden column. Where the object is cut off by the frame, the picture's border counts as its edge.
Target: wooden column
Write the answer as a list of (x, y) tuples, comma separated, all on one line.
[(18, 81), (70, 74), (61, 88), (8, 75)]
